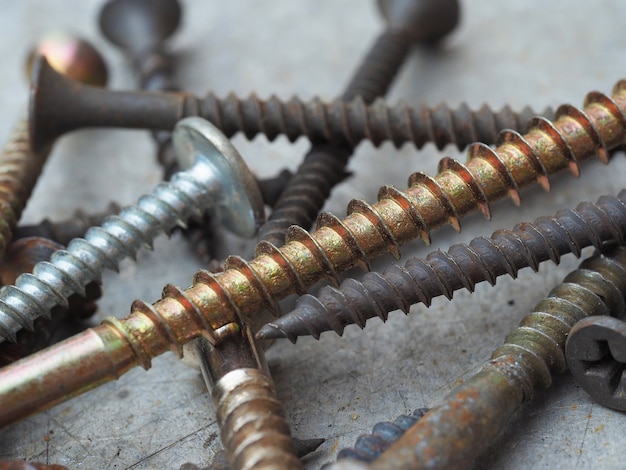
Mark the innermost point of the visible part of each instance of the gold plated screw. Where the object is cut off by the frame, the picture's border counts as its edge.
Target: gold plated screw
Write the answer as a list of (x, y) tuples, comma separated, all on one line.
[(214, 304)]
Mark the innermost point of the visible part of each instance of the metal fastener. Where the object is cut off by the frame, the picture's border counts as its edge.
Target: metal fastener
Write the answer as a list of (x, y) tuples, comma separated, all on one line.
[(59, 105), (596, 356), (213, 302), (461, 427), (461, 267), (217, 179)]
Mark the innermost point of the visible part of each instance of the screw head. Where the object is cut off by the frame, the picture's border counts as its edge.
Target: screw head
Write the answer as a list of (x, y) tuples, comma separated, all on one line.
[(238, 201)]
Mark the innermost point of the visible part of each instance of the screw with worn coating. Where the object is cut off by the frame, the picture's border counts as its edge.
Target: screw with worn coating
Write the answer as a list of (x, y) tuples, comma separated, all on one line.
[(596, 356), (59, 105), (215, 301), (462, 266), (453, 433), (217, 178)]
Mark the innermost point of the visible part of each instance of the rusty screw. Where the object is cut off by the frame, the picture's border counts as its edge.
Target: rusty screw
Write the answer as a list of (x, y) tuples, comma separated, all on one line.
[(217, 179), (460, 428), (462, 266), (214, 303), (597, 358), (59, 105)]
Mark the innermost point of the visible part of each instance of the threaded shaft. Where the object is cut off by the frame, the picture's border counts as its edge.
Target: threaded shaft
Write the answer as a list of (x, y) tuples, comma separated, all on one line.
[(462, 266), (455, 432), (369, 447), (254, 430), (342, 122), (84, 261), (20, 168)]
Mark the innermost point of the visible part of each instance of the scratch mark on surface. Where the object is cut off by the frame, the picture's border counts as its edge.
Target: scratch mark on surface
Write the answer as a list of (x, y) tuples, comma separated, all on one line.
[(67, 431), (582, 444), (169, 446)]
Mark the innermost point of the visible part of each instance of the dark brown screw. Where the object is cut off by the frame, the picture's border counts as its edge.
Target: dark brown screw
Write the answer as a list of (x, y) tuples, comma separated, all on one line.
[(461, 267), (596, 355), (59, 105), (460, 428), (215, 301)]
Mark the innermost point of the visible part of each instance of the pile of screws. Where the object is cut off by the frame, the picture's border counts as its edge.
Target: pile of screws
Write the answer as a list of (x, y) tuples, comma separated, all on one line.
[(51, 273)]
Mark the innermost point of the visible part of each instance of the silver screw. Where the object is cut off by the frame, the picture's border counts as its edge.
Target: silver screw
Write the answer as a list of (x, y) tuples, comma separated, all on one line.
[(216, 178)]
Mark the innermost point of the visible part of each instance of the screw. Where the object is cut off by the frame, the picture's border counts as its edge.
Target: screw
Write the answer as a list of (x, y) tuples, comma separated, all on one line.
[(20, 165), (59, 105), (214, 302), (252, 422), (596, 358), (462, 266), (21, 256), (369, 447), (217, 178), (456, 431)]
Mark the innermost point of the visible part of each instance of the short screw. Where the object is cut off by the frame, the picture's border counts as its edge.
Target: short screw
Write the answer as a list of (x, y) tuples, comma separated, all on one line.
[(462, 266), (596, 356), (215, 302), (60, 105), (460, 428), (217, 178)]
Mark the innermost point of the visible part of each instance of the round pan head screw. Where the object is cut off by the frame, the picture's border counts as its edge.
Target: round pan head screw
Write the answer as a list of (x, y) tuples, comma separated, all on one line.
[(596, 356)]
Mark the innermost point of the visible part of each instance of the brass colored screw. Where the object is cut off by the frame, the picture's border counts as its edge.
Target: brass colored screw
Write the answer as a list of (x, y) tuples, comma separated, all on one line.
[(214, 303), (459, 429)]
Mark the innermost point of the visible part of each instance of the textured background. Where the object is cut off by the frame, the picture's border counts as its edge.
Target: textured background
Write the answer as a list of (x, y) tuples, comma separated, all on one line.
[(520, 52)]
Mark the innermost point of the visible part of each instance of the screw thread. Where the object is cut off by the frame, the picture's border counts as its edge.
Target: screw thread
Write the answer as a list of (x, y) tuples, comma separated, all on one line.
[(69, 271), (254, 430), (347, 123), (369, 447), (455, 432), (20, 168), (462, 266)]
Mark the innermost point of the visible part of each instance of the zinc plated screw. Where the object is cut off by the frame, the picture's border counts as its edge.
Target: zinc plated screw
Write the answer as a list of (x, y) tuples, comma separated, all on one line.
[(462, 266), (217, 178), (324, 166), (596, 357), (20, 164), (214, 303), (456, 431), (59, 105)]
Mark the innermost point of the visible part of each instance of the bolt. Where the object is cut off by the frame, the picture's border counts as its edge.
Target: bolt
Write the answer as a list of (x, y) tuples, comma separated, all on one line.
[(20, 165), (252, 422), (460, 428), (59, 105), (369, 447), (65, 231), (216, 178), (21, 256), (596, 357), (215, 301), (462, 266)]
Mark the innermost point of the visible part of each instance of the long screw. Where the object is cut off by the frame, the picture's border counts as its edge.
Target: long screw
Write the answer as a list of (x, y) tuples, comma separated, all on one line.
[(462, 266), (460, 428), (217, 178), (252, 421), (324, 166), (596, 355), (214, 303), (59, 105)]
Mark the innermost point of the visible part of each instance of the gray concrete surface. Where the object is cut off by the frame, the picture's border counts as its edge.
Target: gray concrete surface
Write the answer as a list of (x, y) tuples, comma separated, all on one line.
[(518, 52)]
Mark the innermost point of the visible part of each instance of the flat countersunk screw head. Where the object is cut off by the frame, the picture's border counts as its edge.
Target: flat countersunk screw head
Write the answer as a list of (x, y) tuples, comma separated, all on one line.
[(425, 21), (596, 356)]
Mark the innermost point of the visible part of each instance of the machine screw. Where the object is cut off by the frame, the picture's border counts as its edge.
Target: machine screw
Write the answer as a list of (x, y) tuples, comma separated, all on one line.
[(59, 105), (20, 164), (462, 266), (217, 302), (217, 178), (453, 433), (596, 356)]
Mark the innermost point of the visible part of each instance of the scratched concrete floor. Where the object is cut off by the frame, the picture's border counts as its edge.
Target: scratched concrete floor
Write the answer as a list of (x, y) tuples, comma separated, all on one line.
[(518, 52)]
